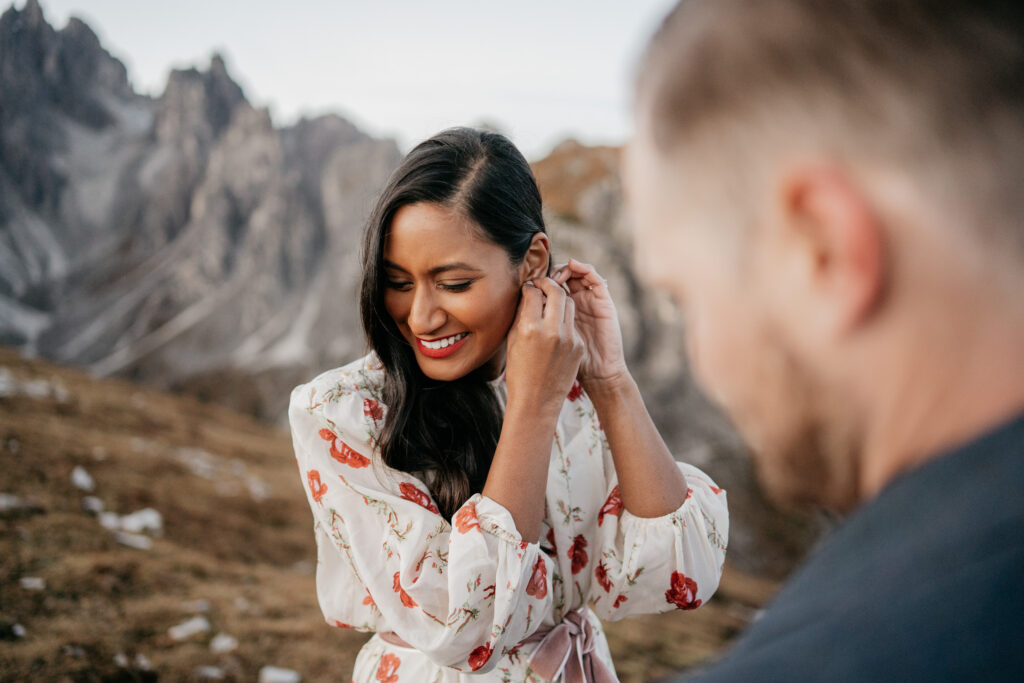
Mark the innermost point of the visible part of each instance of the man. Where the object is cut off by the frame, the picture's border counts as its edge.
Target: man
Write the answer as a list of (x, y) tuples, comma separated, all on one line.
[(834, 191)]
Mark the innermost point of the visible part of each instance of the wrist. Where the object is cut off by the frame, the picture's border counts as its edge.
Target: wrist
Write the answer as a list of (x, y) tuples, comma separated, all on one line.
[(609, 386)]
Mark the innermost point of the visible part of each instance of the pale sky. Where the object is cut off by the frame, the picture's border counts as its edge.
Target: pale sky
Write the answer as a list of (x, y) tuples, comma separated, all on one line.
[(541, 70)]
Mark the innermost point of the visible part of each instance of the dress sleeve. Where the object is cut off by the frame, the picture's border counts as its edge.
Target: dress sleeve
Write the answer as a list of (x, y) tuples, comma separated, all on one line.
[(651, 565), (458, 591)]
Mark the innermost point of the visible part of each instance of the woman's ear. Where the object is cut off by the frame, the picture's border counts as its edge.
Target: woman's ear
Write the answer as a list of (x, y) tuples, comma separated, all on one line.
[(538, 258)]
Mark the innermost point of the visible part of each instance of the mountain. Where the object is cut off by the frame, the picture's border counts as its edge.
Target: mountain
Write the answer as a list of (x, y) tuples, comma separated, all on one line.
[(176, 238), (186, 242)]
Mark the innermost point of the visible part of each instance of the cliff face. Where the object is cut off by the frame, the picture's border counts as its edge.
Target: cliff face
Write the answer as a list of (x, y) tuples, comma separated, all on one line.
[(176, 239), (186, 242)]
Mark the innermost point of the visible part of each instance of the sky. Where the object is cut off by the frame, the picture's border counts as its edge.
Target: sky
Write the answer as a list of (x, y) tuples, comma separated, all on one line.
[(540, 71)]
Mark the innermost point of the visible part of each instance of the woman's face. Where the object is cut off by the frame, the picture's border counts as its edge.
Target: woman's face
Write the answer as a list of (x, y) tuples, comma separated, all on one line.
[(452, 293)]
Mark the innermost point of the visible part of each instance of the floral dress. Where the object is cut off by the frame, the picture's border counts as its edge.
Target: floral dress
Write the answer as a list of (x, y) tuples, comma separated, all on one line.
[(463, 594)]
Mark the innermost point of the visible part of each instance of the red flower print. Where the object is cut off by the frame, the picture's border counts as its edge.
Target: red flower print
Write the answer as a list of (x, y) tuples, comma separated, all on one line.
[(578, 554), (368, 600), (405, 597), (601, 574), (575, 392), (372, 409), (683, 593), (612, 506), (538, 584), (387, 672), (341, 452), (339, 624), (479, 656), (410, 492), (715, 489), (316, 487), (465, 518), (619, 600), (689, 493)]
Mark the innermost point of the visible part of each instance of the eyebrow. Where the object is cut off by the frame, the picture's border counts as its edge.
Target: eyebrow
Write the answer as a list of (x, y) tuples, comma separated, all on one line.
[(436, 270)]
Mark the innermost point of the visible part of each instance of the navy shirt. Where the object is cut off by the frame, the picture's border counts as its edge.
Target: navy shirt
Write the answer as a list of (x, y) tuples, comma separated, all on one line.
[(924, 583)]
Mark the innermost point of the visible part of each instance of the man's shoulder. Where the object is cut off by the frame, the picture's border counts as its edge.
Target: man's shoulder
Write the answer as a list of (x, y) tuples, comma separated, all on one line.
[(920, 582)]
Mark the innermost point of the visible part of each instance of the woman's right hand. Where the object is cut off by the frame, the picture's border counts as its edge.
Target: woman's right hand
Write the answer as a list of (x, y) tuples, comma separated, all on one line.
[(544, 349)]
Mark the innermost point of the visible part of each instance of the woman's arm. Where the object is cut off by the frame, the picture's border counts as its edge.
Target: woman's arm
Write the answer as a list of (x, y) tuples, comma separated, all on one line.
[(650, 483), (544, 353)]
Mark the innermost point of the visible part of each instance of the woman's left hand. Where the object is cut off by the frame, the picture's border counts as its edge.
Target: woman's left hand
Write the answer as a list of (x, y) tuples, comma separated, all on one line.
[(596, 321)]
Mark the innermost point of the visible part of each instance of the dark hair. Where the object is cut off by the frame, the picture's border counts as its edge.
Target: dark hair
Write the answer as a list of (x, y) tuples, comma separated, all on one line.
[(935, 86), (446, 431)]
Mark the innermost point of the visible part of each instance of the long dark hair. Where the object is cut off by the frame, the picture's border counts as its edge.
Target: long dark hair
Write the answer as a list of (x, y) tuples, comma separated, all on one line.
[(446, 431)]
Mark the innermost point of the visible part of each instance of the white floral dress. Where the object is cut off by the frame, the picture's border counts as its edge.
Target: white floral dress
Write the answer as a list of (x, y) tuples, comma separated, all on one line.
[(464, 593)]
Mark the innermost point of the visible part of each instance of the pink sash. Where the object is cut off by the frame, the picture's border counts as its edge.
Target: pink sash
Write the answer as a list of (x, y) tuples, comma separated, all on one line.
[(566, 649)]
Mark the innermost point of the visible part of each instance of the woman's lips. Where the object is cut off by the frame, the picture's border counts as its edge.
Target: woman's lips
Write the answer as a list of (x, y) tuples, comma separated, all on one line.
[(455, 342)]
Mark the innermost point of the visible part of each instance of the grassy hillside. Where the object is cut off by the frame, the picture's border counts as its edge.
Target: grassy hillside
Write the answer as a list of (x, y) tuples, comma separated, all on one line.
[(87, 596)]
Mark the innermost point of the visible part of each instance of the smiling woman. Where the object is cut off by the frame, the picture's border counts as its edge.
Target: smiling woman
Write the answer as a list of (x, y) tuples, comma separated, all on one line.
[(487, 483)]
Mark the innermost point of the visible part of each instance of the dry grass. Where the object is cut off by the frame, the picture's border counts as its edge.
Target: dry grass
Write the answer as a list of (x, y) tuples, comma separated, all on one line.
[(251, 557)]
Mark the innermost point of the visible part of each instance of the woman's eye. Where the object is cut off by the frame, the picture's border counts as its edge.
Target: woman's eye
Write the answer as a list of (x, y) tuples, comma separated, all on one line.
[(399, 285), (457, 286)]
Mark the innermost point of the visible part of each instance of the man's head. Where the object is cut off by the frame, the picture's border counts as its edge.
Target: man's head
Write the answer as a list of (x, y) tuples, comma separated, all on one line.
[(834, 191)]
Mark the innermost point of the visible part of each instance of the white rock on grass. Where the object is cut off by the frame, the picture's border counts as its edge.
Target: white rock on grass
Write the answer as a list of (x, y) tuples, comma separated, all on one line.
[(18, 630), (223, 642), (92, 505), (109, 520), (210, 673), (274, 674), (146, 519), (137, 541), (33, 583), (189, 628), (82, 479)]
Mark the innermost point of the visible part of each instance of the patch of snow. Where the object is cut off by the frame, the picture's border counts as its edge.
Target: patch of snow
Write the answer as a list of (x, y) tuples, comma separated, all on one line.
[(32, 583), (223, 642), (189, 628), (137, 541), (92, 505), (140, 521), (82, 479), (210, 673), (274, 674)]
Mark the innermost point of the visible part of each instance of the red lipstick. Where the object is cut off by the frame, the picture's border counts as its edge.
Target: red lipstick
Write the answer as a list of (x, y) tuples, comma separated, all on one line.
[(439, 353)]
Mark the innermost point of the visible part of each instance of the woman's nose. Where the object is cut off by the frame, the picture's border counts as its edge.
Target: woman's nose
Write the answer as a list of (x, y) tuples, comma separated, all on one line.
[(425, 316)]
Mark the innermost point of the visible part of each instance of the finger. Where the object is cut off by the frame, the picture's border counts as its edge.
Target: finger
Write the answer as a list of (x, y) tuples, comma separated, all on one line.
[(554, 306), (531, 304), (586, 275), (561, 273)]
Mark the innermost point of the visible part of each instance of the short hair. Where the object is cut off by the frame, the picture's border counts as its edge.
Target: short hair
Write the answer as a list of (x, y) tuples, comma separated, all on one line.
[(936, 86)]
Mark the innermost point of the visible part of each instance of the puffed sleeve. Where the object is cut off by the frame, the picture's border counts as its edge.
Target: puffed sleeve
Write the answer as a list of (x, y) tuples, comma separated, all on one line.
[(458, 591), (652, 565)]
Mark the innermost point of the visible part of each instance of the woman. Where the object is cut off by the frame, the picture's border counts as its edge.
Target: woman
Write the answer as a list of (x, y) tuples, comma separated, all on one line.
[(468, 503)]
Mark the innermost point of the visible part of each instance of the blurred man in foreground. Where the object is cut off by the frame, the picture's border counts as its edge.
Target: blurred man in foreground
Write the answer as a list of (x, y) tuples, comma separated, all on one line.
[(834, 191)]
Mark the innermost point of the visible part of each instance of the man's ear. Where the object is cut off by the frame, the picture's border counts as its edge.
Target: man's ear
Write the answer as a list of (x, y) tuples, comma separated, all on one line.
[(836, 245), (538, 257)]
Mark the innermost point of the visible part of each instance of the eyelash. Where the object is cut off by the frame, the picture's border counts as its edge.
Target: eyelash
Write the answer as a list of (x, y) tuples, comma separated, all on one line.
[(404, 286)]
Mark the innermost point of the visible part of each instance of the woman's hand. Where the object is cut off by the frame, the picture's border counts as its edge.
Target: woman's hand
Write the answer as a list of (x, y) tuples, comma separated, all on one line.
[(544, 349), (597, 323)]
